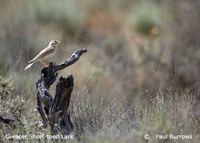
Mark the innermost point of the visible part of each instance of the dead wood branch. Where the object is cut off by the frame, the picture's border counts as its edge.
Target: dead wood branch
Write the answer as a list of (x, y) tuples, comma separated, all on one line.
[(55, 111), (7, 120)]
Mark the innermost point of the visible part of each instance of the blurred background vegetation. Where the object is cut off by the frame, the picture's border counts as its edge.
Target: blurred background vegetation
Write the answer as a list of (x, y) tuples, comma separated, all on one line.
[(140, 75)]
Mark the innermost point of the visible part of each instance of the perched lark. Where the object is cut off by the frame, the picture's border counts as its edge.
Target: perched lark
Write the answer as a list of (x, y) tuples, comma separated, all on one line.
[(45, 55)]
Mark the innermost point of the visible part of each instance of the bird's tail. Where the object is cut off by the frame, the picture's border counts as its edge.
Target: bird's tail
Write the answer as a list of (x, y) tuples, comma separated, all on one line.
[(32, 61), (29, 65)]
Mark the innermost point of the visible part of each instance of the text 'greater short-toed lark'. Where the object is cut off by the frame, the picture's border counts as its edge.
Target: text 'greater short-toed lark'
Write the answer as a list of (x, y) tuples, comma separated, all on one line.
[(45, 55)]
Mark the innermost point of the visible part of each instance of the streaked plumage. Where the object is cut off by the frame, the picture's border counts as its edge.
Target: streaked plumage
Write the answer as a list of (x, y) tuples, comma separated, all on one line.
[(44, 55)]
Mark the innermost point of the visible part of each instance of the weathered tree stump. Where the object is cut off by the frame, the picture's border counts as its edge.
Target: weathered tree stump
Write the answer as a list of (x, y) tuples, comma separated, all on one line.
[(55, 111)]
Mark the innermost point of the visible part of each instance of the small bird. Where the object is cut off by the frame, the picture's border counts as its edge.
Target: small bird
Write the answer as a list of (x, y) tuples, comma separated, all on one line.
[(44, 55)]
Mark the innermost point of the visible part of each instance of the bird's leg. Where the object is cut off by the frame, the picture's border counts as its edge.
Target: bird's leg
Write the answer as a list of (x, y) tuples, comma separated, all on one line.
[(45, 62)]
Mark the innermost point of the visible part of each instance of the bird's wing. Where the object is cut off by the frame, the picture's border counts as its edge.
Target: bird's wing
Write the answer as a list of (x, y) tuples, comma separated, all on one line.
[(43, 54)]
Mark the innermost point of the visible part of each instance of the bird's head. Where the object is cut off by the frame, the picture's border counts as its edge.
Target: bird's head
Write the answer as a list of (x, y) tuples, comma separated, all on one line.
[(54, 43)]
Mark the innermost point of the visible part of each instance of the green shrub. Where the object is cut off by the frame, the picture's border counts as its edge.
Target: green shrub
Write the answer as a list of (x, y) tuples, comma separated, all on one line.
[(146, 17), (65, 13)]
